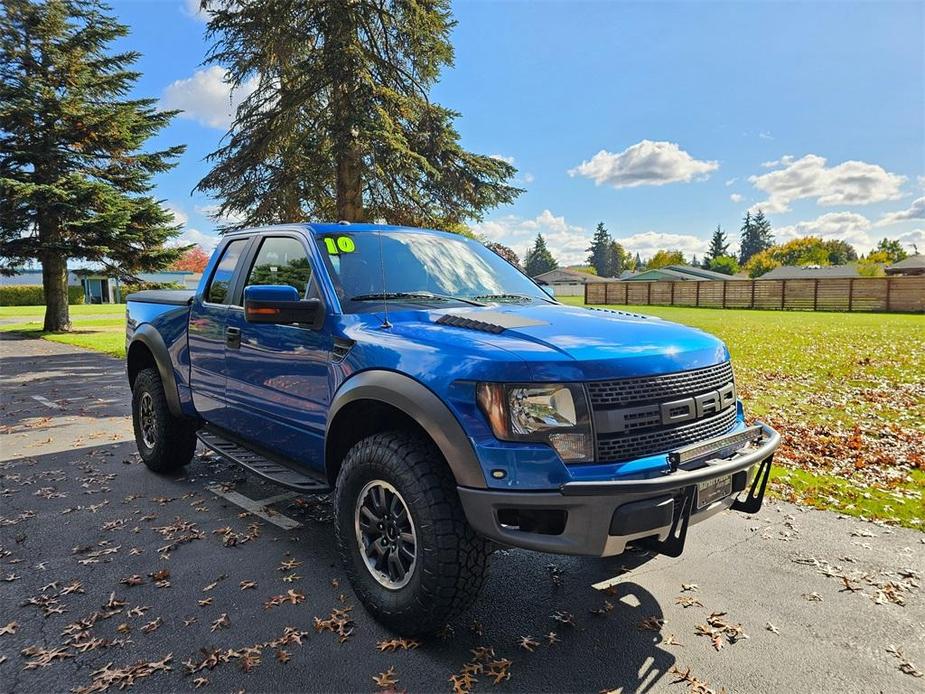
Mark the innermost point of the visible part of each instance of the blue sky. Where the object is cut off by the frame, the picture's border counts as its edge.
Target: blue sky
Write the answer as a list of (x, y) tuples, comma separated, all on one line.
[(660, 119)]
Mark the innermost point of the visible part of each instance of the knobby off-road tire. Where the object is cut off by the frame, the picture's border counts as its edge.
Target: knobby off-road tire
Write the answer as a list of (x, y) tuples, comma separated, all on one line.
[(450, 559), (166, 443)]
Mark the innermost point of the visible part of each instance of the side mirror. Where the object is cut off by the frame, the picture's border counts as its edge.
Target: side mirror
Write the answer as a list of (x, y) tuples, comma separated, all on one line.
[(280, 303)]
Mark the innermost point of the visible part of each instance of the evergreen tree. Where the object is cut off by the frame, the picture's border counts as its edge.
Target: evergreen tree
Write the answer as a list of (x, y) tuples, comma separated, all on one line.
[(618, 260), (719, 246), (340, 124), (638, 265), (74, 181), (539, 259), (756, 236), (601, 250)]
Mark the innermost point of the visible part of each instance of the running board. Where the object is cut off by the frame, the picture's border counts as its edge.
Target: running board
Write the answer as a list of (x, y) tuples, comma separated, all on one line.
[(306, 481)]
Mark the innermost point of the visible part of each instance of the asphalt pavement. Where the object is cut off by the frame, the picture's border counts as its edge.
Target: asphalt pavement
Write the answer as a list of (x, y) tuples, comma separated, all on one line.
[(111, 576)]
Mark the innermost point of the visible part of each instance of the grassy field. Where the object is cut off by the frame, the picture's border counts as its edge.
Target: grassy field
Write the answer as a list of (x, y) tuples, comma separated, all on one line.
[(847, 391), (77, 310)]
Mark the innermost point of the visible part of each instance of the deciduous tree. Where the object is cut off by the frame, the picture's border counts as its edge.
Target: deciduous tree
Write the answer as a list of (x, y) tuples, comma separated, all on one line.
[(664, 258), (75, 179)]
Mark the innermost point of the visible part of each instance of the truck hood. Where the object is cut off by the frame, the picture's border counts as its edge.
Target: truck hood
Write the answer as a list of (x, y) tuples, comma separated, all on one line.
[(559, 342)]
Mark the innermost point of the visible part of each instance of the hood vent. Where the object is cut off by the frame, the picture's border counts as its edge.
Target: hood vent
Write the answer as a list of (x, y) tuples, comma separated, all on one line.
[(341, 348), (629, 314), (458, 321)]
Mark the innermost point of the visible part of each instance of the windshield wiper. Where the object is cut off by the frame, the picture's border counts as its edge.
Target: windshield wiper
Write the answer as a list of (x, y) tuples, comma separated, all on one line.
[(388, 296), (520, 298)]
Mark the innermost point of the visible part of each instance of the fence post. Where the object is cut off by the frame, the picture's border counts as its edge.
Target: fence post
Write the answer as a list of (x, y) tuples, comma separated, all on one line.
[(851, 294), (724, 293), (697, 299), (889, 286), (752, 305), (672, 293), (649, 294), (815, 294), (783, 293), (586, 293)]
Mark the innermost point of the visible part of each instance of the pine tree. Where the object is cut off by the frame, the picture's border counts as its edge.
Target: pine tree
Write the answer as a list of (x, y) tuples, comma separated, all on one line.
[(539, 259), (617, 261), (638, 265), (340, 125), (756, 236), (74, 181), (600, 251), (718, 246)]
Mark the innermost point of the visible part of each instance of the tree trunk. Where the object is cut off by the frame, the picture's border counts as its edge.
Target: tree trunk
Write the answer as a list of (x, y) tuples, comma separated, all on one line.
[(349, 185), (54, 283)]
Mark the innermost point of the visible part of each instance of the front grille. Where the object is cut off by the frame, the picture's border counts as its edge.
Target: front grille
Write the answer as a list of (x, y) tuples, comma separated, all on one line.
[(628, 446), (607, 394)]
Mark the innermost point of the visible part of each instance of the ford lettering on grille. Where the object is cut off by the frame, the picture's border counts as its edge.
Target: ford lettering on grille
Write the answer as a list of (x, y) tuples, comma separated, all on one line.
[(661, 412)]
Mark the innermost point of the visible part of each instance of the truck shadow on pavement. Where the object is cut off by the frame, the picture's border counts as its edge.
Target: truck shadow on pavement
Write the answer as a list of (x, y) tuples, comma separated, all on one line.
[(113, 564)]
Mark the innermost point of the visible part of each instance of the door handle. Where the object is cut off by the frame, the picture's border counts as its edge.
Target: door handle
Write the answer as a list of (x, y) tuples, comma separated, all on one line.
[(233, 338)]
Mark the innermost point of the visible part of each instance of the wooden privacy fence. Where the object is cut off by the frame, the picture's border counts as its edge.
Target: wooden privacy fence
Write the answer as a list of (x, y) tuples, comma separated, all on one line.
[(901, 294)]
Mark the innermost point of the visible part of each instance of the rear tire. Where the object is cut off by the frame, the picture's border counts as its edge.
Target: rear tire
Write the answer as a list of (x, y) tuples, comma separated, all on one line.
[(166, 443), (401, 479)]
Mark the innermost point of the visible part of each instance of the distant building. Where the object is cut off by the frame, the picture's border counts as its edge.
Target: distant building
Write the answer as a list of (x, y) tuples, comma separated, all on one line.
[(812, 272), (675, 273), (102, 288), (567, 282), (913, 265)]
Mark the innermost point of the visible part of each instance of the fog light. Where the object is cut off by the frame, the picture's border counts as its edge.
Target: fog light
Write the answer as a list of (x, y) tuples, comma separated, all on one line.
[(572, 446)]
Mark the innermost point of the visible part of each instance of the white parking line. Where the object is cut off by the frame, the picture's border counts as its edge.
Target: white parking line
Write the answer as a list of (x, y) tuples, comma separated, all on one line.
[(259, 506), (47, 402)]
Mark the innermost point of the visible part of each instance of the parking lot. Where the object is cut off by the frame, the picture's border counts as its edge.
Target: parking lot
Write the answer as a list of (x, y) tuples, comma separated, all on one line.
[(112, 576)]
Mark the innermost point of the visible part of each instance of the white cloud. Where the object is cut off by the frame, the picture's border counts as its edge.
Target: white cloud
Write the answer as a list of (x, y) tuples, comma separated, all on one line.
[(765, 135), (916, 237), (785, 160), (735, 197), (179, 216), (567, 242), (848, 183), (502, 157), (731, 181), (206, 97), (648, 242), (529, 178), (645, 163), (212, 211), (914, 211), (207, 241), (845, 226)]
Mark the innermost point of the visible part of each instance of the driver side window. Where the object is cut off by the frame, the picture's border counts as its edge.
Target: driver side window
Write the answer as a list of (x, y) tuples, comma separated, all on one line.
[(281, 260)]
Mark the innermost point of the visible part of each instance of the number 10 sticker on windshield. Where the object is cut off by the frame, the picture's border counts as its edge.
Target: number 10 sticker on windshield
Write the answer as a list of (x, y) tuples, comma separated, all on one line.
[(339, 244)]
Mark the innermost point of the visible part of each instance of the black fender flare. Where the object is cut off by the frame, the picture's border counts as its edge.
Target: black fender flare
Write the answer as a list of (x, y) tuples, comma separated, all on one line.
[(147, 335), (423, 406)]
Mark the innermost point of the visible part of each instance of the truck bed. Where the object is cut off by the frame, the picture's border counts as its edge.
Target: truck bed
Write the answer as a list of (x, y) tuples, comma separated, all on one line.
[(174, 297)]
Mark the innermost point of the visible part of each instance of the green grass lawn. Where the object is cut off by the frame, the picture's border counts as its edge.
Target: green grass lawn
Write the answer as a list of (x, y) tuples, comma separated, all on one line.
[(77, 310), (846, 390), (99, 334)]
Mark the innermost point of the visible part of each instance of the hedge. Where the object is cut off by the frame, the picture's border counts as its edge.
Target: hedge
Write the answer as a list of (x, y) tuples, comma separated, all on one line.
[(32, 295)]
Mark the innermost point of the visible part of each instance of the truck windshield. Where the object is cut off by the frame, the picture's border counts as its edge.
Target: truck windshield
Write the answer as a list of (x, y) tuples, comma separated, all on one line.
[(420, 267)]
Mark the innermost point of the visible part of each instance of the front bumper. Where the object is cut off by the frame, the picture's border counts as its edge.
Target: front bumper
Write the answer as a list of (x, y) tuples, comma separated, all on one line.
[(601, 518)]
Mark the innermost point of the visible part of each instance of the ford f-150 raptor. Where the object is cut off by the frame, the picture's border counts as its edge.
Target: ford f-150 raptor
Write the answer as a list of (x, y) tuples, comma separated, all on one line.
[(445, 400)]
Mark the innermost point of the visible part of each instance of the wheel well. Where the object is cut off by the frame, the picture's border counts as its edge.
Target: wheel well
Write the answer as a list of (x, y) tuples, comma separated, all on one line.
[(139, 358), (359, 419)]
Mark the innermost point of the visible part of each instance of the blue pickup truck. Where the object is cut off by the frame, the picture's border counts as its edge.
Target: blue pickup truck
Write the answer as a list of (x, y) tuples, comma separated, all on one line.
[(446, 401)]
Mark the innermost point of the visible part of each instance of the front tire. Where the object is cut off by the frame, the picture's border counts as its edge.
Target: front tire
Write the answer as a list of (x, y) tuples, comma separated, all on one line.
[(166, 443), (402, 535)]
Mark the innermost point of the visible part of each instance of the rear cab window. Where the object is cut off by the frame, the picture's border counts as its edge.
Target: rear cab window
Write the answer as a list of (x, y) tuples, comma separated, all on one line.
[(219, 289)]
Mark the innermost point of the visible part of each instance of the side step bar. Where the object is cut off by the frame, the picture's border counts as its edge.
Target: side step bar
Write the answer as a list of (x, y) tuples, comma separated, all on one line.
[(292, 476)]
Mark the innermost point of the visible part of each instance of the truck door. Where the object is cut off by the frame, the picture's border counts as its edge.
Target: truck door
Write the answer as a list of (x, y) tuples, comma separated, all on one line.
[(209, 333), (278, 377)]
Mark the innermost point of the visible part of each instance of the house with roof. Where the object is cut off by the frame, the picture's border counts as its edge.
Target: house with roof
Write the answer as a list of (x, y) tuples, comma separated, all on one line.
[(675, 273), (567, 282), (912, 266), (812, 272), (101, 287)]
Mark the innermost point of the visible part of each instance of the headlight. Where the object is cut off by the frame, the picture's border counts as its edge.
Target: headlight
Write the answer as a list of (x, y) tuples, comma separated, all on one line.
[(557, 414)]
